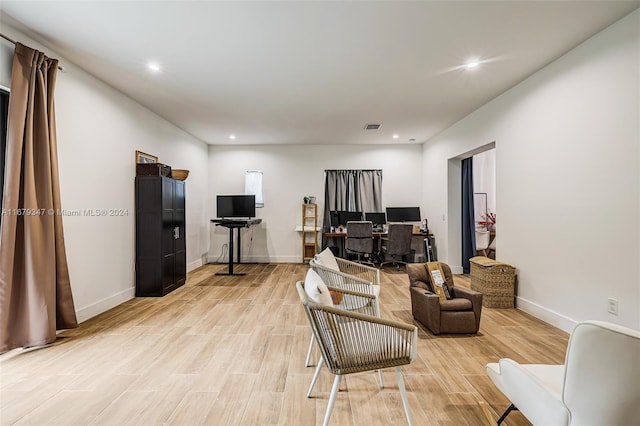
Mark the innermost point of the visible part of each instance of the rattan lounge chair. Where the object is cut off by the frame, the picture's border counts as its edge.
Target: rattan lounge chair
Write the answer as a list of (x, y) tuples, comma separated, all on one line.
[(353, 342), (348, 275)]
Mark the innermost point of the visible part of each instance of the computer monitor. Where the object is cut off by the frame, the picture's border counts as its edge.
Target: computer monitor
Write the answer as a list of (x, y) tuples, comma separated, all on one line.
[(378, 219), (345, 216), (229, 206), (403, 214), (334, 219)]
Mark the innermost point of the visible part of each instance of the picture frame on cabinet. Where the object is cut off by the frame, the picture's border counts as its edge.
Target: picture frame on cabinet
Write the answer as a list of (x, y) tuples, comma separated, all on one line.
[(142, 157)]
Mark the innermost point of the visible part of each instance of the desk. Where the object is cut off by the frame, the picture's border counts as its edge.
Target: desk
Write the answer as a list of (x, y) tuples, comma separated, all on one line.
[(232, 224), (375, 234), (379, 235)]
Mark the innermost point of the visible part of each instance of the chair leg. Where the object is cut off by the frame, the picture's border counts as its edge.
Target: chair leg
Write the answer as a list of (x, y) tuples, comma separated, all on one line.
[(403, 394), (315, 376), (332, 399), (308, 361), (381, 379), (506, 413), (395, 263)]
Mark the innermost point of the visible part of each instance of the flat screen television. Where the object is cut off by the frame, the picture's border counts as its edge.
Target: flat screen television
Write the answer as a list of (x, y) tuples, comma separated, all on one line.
[(378, 219), (229, 206), (403, 214)]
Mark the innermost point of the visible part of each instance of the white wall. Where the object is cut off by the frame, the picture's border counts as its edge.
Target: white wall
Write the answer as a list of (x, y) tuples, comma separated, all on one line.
[(484, 181), (99, 129), (290, 173), (568, 180)]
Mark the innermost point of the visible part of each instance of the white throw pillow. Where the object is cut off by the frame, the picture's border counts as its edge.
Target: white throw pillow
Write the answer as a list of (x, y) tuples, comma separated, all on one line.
[(327, 259), (316, 289)]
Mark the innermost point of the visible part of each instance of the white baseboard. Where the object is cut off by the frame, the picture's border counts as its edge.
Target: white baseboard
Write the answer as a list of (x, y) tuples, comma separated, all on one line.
[(259, 259), (194, 265), (547, 315), (105, 304)]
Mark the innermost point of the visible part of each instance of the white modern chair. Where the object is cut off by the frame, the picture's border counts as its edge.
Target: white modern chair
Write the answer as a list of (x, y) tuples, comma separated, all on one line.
[(482, 242), (598, 385), (352, 342)]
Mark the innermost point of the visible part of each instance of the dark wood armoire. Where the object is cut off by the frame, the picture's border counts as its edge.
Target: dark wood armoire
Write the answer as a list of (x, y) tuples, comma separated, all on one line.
[(161, 249)]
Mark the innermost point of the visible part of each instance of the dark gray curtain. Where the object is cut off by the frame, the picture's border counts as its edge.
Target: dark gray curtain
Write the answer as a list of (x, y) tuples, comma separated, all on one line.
[(351, 190), (468, 215), (368, 191), (4, 115)]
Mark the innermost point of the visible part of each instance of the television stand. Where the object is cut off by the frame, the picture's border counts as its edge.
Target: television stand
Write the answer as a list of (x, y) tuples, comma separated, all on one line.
[(232, 224)]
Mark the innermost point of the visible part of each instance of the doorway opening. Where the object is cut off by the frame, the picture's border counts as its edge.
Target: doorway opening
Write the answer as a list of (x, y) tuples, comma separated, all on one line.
[(462, 222)]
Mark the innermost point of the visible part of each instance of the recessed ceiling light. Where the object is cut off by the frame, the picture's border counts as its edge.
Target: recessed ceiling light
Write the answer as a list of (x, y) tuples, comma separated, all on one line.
[(396, 136), (232, 137), (153, 67), (472, 64)]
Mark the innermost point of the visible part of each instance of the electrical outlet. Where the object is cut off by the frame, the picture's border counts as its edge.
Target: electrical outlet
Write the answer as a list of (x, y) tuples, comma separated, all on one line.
[(613, 306)]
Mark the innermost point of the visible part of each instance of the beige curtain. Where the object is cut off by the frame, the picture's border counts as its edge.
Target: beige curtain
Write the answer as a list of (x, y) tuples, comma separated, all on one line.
[(35, 293)]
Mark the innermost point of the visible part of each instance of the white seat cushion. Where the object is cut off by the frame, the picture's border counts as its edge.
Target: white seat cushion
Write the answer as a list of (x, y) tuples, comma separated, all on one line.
[(316, 289), (327, 259), (535, 389), (550, 376)]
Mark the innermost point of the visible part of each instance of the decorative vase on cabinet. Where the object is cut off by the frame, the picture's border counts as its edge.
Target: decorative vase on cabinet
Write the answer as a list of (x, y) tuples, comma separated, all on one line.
[(161, 250), (309, 231)]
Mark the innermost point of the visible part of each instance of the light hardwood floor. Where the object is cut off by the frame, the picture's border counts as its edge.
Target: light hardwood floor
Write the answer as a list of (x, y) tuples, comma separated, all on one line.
[(230, 351)]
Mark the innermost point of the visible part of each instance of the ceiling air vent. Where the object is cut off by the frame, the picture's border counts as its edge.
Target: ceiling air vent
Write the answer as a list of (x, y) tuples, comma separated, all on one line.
[(372, 126)]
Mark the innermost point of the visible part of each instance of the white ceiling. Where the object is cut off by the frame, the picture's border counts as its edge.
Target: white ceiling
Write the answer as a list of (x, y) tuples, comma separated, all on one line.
[(312, 72)]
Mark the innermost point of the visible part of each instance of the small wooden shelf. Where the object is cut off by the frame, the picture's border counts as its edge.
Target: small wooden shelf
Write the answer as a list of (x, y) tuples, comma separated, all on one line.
[(309, 231)]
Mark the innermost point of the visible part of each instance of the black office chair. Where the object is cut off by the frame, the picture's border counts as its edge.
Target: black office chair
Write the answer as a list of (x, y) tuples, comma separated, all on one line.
[(398, 243), (360, 240)]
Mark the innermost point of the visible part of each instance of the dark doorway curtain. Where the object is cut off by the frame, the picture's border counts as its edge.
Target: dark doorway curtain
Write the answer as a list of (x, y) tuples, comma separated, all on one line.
[(468, 216), (4, 114), (350, 190)]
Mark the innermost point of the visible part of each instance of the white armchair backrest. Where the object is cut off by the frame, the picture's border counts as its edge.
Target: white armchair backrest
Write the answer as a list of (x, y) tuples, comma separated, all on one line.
[(602, 375)]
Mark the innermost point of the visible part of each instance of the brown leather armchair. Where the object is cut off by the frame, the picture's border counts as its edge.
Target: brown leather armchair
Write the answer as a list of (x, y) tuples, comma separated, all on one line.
[(460, 314)]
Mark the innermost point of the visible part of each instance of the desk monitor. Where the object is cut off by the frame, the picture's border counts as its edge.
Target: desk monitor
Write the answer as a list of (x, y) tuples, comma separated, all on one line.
[(345, 216), (229, 206), (378, 219), (403, 214), (333, 217)]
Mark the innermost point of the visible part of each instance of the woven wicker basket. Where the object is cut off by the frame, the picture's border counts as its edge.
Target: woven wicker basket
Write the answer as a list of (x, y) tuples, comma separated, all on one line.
[(496, 280)]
